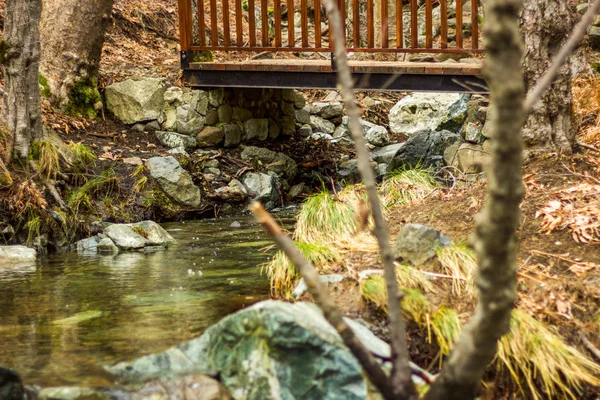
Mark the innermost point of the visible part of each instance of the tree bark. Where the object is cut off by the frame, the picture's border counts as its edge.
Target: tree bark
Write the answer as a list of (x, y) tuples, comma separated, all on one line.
[(72, 33), (545, 25), (20, 55)]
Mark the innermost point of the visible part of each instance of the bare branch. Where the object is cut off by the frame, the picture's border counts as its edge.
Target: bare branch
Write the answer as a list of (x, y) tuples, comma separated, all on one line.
[(319, 292), (401, 379), (577, 35), (496, 225)]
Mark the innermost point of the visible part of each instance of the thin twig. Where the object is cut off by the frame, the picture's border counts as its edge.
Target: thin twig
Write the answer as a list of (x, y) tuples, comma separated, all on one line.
[(577, 35), (587, 146), (590, 346), (319, 292), (401, 380)]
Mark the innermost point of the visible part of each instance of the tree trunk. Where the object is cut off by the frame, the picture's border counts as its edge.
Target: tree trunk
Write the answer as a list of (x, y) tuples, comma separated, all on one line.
[(72, 33), (545, 25), (20, 55)]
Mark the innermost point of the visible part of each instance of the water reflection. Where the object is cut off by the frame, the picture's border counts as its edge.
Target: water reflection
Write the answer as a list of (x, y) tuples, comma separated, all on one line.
[(65, 317)]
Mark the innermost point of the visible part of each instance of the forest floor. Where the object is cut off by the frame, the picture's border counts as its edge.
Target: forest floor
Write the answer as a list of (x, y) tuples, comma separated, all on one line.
[(559, 251)]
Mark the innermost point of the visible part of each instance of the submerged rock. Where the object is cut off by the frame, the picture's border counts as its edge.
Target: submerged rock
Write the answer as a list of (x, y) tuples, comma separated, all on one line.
[(416, 243), (16, 254), (174, 180), (272, 350), (154, 234), (136, 100)]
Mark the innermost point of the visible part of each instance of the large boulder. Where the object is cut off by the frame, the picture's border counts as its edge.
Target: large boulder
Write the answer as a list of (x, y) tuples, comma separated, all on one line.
[(429, 111), (154, 234), (188, 120), (136, 100), (125, 237), (16, 254), (174, 180), (423, 149), (416, 243), (261, 187), (272, 350), (270, 160)]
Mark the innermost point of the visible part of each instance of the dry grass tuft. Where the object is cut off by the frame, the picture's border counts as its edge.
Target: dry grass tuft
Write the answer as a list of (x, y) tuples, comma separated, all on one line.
[(407, 186), (283, 274), (47, 157), (543, 362), (459, 262), (586, 107)]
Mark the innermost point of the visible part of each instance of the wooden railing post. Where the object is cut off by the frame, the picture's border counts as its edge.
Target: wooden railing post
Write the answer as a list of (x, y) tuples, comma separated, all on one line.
[(185, 24)]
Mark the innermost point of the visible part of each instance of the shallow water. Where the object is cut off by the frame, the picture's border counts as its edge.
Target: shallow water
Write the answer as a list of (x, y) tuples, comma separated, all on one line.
[(64, 318)]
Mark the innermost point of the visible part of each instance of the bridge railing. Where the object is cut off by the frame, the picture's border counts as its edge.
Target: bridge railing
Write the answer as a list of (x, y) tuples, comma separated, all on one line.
[(435, 26)]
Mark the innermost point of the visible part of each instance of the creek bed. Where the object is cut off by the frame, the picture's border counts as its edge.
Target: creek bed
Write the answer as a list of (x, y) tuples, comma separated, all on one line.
[(62, 319)]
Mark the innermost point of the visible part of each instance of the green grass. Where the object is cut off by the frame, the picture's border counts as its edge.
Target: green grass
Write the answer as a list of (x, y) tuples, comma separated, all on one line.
[(107, 181), (406, 186), (325, 219), (283, 275), (84, 156)]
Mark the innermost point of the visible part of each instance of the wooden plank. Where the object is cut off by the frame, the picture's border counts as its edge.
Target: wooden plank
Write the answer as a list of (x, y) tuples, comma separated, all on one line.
[(290, 16), (370, 25), (459, 24), (304, 22), (356, 23), (239, 28), (342, 8), (277, 16), (251, 23), (444, 24), (428, 24), (399, 25), (185, 24), (214, 29), (474, 24), (384, 25), (201, 25), (317, 23), (226, 33), (264, 16), (414, 33)]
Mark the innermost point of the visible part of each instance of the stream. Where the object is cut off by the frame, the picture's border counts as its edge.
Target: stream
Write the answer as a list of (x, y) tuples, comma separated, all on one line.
[(63, 318)]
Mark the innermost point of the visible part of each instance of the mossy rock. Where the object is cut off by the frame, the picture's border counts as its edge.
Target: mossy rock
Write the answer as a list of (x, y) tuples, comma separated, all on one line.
[(82, 98)]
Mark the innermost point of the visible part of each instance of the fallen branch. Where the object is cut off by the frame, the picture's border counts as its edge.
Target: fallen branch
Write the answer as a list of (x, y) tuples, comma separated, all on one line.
[(319, 292), (590, 346), (587, 146)]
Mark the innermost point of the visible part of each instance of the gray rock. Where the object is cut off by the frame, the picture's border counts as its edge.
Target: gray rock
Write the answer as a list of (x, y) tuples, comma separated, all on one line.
[(327, 110), (155, 234), (189, 121), (16, 254), (241, 114), (173, 140), (152, 126), (305, 130), (72, 393), (257, 128), (233, 135), (287, 109), (424, 149), (224, 113), (216, 96), (470, 158), (301, 287), (416, 243), (173, 95), (106, 245), (261, 187), (174, 180), (386, 154), (341, 131), (87, 246), (196, 387), (139, 127), (348, 171), (321, 136), (332, 95), (178, 151), (296, 191), (303, 115), (429, 111), (210, 136), (293, 96), (376, 135), (273, 129), (235, 225), (136, 100), (321, 125), (473, 132), (235, 191), (125, 237), (265, 158), (211, 117), (288, 126), (132, 161), (297, 355)]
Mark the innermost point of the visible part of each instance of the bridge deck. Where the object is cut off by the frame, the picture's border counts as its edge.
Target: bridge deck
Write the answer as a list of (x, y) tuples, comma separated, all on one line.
[(319, 74)]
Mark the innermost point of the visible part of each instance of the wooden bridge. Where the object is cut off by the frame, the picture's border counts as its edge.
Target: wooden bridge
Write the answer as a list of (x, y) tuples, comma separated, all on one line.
[(287, 44)]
